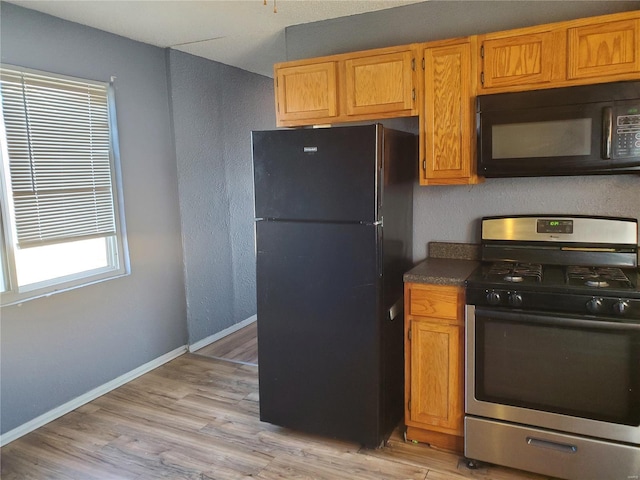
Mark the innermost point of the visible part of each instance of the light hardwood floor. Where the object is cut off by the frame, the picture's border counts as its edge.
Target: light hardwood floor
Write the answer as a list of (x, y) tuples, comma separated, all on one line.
[(197, 418), (241, 346)]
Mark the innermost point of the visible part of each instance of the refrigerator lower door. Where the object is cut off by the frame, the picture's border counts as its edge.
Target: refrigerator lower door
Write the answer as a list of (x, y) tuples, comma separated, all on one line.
[(319, 329)]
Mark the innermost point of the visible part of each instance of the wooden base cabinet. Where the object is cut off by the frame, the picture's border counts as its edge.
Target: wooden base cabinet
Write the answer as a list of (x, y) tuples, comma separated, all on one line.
[(434, 365)]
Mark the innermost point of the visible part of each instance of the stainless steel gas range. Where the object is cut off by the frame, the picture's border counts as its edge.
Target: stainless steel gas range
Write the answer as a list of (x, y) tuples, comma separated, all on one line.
[(553, 347)]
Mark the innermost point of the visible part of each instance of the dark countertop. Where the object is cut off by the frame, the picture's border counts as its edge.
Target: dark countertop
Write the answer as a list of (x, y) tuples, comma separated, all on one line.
[(448, 264), (441, 271)]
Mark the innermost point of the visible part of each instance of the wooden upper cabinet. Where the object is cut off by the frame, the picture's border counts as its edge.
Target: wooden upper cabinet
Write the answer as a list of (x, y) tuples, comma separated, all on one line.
[(380, 84), (447, 120), (604, 49), (306, 93), (344, 88), (517, 60), (576, 52)]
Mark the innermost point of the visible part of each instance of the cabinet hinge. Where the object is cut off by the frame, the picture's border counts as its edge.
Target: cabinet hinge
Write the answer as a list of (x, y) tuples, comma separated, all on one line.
[(409, 334), (482, 51), (482, 78), (409, 406), (413, 94), (424, 164), (413, 64), (424, 64)]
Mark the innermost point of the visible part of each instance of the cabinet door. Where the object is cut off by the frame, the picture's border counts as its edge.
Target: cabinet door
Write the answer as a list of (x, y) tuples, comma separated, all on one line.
[(518, 60), (306, 92), (604, 49), (380, 84), (436, 369), (448, 144)]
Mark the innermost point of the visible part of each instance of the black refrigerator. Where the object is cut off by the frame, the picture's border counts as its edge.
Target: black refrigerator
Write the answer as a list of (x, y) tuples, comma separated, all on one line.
[(333, 230)]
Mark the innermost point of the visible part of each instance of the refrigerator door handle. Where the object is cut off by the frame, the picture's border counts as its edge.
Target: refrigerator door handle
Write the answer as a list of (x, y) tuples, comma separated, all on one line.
[(396, 309)]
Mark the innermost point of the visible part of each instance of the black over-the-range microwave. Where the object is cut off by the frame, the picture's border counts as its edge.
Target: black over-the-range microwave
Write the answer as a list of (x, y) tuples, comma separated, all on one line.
[(581, 130)]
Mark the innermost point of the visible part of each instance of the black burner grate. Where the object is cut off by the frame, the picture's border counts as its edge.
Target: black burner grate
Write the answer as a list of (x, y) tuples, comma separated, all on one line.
[(516, 272), (600, 277)]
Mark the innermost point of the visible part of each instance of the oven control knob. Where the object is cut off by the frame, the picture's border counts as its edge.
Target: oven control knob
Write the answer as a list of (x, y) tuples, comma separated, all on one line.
[(493, 298), (620, 307), (595, 305), (515, 300)]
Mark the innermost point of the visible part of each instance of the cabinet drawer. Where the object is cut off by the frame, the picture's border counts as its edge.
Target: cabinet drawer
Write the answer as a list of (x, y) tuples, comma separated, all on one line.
[(441, 301)]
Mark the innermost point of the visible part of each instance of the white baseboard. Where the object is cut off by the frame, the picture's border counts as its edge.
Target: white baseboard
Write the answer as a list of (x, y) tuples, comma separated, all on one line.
[(71, 405), (217, 336)]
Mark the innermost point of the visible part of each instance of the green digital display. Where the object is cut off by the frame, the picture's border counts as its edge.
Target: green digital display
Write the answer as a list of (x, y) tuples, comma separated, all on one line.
[(545, 225)]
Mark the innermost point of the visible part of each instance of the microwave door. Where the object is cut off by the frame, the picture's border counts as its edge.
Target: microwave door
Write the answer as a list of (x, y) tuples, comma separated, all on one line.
[(563, 140)]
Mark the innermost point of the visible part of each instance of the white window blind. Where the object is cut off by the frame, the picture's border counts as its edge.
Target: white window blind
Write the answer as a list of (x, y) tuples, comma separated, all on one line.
[(58, 142)]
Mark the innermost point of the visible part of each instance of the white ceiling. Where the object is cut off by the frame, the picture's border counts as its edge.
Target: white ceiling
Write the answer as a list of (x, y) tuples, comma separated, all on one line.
[(242, 33)]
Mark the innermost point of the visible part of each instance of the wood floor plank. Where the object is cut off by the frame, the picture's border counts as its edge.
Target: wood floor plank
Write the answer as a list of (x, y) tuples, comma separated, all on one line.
[(444, 462), (198, 418), (347, 466), (240, 346)]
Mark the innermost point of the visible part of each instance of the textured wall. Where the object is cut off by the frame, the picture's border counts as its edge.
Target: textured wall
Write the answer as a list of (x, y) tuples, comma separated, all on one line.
[(453, 213), (215, 107), (435, 20), (58, 348)]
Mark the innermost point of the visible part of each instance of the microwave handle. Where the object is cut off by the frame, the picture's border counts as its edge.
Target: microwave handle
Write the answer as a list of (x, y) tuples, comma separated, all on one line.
[(607, 132)]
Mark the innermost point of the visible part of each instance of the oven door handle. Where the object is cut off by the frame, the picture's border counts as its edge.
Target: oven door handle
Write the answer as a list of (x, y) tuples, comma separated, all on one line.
[(556, 320)]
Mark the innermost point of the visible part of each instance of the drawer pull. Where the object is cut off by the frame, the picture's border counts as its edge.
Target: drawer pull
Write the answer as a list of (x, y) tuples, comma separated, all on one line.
[(561, 447)]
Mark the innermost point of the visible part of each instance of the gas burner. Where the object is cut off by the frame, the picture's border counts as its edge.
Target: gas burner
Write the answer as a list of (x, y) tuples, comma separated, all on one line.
[(598, 277), (516, 272), (513, 278)]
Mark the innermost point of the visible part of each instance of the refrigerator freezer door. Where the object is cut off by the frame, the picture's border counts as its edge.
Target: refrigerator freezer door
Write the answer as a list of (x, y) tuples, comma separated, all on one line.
[(319, 330), (327, 174)]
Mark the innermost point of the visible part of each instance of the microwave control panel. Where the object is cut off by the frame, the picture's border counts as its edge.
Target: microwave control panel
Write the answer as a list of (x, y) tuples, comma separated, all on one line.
[(627, 137)]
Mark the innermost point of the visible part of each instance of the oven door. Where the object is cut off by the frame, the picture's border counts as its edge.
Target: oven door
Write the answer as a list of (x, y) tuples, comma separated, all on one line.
[(570, 374)]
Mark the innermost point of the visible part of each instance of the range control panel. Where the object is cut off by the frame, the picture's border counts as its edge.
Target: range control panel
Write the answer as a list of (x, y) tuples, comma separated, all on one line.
[(597, 305)]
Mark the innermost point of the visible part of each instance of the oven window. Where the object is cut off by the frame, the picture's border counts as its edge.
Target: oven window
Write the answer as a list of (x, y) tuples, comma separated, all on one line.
[(558, 138), (589, 373)]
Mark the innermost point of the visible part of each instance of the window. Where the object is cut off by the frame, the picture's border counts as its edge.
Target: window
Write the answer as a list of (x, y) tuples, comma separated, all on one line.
[(61, 222)]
